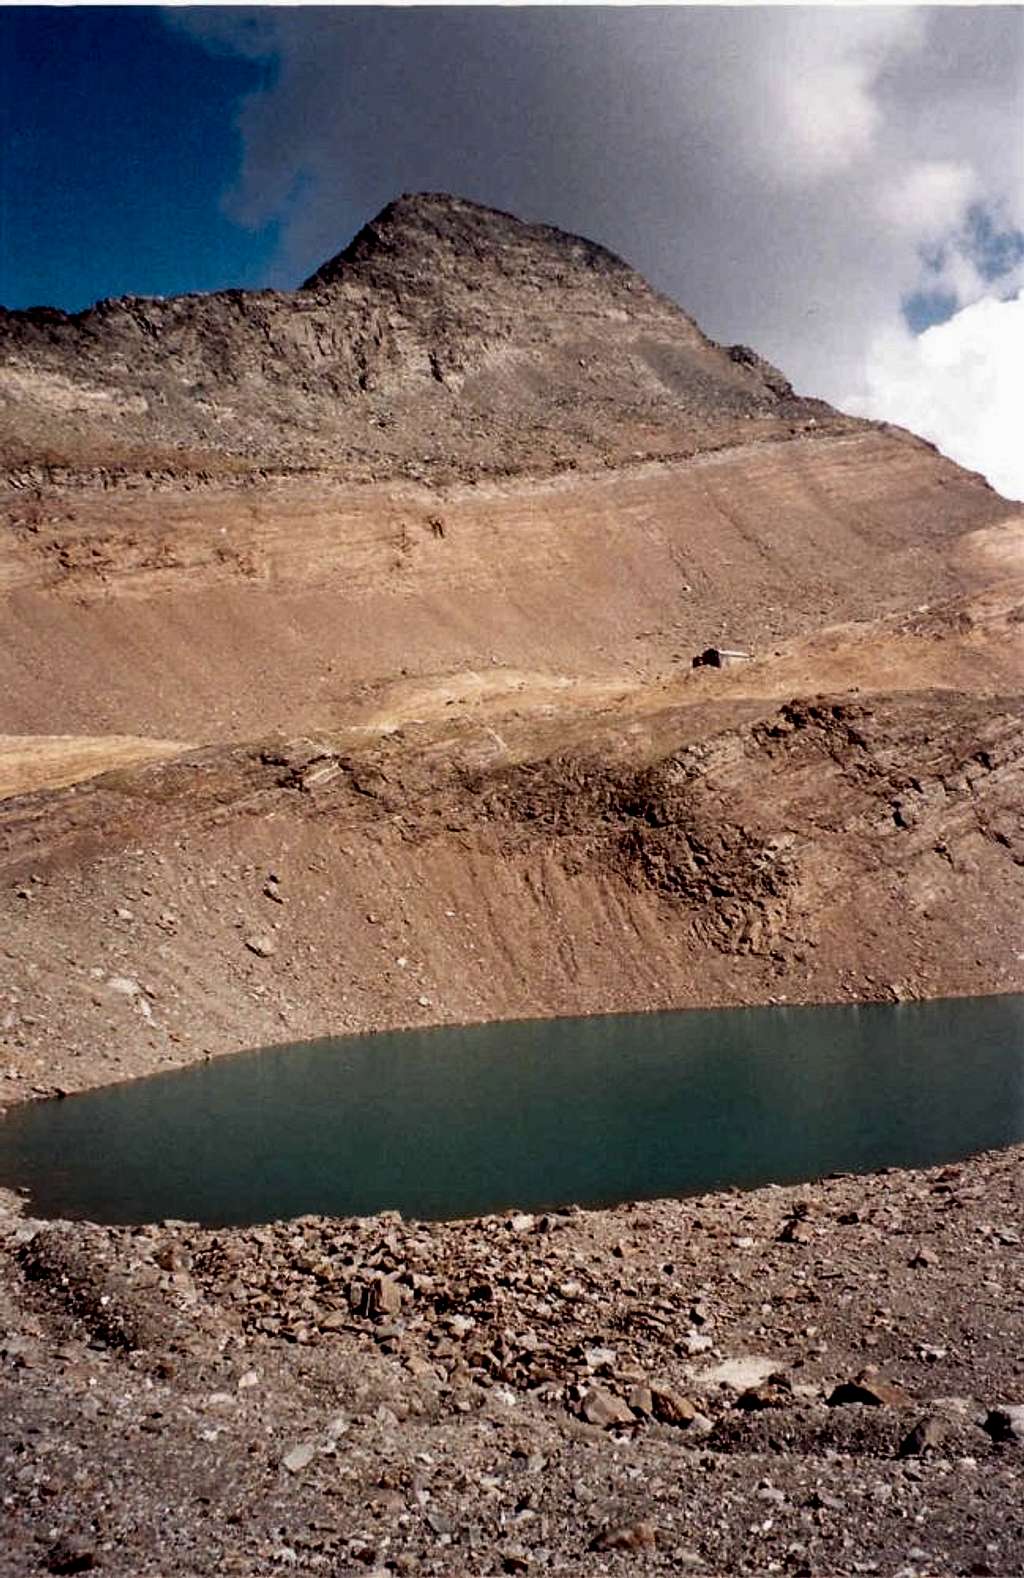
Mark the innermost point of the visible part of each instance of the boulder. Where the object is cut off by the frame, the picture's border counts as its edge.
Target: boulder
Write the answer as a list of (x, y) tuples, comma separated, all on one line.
[(870, 1388), (603, 1408)]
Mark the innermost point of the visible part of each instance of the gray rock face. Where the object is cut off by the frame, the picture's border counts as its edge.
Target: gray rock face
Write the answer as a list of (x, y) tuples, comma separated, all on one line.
[(446, 338)]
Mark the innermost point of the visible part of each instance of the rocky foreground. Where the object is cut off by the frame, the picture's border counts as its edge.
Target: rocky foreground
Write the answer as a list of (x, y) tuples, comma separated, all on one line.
[(819, 1380)]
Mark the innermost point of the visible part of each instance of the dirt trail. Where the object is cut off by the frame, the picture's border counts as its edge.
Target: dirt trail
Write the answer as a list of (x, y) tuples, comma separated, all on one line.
[(40, 761)]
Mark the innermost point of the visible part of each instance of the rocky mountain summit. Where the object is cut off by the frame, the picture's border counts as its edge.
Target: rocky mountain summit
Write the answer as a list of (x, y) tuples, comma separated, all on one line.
[(446, 340)]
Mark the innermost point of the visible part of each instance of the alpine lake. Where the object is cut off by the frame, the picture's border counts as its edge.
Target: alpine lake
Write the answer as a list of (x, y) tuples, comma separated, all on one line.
[(455, 1122)]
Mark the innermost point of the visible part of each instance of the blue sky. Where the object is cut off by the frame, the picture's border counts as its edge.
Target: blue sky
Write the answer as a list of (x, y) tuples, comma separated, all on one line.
[(118, 140)]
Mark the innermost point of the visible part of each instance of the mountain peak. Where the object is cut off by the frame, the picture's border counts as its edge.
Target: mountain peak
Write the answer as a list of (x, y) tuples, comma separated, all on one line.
[(447, 339), (438, 230)]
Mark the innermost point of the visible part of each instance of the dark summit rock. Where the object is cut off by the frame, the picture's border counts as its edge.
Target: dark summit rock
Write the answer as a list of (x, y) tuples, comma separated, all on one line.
[(446, 340), (441, 234)]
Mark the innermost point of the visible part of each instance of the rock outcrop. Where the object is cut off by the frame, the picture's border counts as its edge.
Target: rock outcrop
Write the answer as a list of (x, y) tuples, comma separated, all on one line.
[(447, 340)]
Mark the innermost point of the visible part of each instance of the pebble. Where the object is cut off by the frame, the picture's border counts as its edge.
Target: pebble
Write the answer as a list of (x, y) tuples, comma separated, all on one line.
[(126, 985), (299, 1457), (825, 1501)]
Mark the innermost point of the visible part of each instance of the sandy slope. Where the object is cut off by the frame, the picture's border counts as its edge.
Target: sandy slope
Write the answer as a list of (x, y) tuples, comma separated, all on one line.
[(217, 614), (29, 762)]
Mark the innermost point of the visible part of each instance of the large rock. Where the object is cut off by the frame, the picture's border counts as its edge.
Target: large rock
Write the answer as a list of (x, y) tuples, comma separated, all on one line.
[(928, 1434), (870, 1388), (1006, 1423), (626, 1537), (602, 1408), (670, 1407)]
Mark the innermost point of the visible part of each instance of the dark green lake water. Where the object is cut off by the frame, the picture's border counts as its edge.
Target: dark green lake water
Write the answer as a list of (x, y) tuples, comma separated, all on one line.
[(444, 1123)]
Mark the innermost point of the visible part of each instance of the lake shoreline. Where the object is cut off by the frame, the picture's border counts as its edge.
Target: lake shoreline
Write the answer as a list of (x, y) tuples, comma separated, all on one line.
[(86, 1074)]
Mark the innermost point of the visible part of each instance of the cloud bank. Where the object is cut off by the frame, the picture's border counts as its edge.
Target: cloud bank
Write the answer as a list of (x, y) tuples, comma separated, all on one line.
[(959, 384), (793, 177)]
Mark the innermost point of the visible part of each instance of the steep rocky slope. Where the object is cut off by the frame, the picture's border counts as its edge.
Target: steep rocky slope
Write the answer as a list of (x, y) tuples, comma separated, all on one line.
[(697, 855)]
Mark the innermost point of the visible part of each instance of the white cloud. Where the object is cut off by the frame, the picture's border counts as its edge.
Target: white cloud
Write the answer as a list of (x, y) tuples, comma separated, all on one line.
[(959, 384), (815, 74), (928, 198)]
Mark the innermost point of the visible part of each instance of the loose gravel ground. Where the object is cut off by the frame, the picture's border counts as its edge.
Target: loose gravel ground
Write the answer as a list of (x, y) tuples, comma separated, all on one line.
[(818, 1380)]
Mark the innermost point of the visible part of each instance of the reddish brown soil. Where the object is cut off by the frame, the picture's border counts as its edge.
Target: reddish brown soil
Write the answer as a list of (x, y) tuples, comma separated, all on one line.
[(888, 813)]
